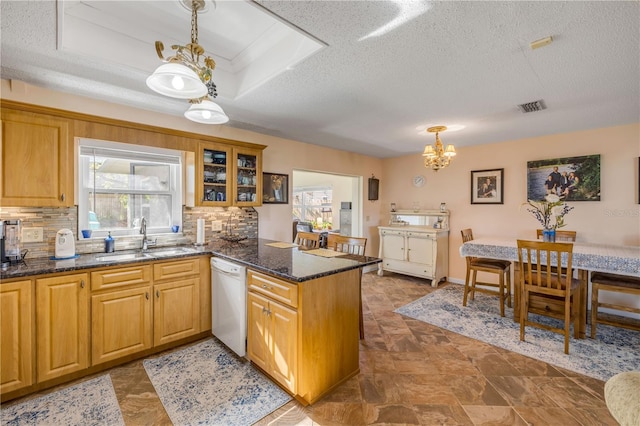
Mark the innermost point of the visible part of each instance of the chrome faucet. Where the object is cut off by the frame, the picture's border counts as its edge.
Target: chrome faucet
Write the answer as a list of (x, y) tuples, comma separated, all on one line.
[(143, 230)]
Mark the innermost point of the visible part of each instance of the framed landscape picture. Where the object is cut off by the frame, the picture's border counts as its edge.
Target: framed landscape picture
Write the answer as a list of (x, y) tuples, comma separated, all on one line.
[(487, 186), (276, 188), (570, 178)]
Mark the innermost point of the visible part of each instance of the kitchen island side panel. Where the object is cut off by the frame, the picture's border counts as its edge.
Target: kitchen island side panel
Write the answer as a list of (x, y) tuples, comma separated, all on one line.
[(328, 335)]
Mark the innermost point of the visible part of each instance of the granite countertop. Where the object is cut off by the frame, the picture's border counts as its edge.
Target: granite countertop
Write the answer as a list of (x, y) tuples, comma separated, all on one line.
[(293, 264)]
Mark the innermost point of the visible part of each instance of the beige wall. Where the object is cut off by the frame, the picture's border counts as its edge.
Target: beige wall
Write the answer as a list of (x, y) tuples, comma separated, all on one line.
[(613, 220)]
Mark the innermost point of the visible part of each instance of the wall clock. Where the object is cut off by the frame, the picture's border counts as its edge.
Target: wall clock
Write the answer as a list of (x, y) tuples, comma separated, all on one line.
[(419, 181)]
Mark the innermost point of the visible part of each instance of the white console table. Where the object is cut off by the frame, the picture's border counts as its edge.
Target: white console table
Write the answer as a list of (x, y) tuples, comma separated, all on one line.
[(416, 243)]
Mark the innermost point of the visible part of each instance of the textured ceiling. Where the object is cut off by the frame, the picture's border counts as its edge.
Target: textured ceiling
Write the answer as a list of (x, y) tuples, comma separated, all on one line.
[(384, 68)]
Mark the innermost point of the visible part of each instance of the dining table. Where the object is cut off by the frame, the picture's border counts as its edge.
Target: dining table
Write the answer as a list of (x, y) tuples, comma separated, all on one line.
[(587, 257)]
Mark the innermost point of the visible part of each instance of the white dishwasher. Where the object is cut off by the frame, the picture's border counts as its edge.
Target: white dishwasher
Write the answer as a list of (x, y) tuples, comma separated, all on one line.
[(229, 304)]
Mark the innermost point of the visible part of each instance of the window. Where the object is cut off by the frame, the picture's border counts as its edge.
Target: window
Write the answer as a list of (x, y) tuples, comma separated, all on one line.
[(118, 184), (313, 205)]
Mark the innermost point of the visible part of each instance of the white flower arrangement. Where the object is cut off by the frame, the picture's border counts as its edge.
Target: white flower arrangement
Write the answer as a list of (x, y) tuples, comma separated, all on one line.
[(549, 212)]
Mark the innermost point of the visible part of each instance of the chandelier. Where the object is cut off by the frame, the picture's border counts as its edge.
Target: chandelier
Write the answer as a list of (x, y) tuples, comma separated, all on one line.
[(183, 76), (436, 157)]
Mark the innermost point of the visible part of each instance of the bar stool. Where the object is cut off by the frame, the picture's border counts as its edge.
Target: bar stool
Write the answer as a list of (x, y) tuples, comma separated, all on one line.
[(601, 281), (493, 266)]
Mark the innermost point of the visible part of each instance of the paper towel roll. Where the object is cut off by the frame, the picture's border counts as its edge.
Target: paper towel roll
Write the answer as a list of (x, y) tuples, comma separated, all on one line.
[(200, 231)]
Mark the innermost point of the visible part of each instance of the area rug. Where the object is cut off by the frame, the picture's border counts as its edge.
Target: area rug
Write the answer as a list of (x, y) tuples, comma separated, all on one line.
[(92, 402), (206, 384), (613, 351)]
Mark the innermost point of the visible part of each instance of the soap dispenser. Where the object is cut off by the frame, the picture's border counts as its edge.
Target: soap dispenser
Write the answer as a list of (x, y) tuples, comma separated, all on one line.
[(109, 244)]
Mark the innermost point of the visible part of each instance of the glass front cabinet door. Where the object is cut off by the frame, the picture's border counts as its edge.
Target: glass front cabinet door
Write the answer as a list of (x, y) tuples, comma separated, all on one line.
[(214, 175), (247, 185)]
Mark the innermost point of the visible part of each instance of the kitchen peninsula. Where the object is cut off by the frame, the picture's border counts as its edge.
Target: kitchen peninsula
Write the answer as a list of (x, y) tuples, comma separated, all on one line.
[(302, 312)]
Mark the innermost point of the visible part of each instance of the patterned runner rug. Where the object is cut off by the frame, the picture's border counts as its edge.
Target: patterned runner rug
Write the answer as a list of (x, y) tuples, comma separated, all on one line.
[(613, 351), (92, 402), (207, 384)]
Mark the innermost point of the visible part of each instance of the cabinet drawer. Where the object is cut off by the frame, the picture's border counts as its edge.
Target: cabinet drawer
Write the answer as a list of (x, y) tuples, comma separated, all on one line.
[(176, 269), (415, 269), (119, 277), (275, 288)]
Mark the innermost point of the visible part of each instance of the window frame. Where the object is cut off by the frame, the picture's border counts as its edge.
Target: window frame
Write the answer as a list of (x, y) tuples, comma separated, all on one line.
[(137, 154)]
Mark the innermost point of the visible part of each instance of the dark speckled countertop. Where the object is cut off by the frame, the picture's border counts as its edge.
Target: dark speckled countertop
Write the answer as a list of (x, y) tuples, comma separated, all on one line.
[(293, 264)]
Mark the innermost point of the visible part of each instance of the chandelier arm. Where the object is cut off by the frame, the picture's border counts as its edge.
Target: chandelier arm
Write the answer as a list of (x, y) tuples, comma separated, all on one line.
[(159, 49)]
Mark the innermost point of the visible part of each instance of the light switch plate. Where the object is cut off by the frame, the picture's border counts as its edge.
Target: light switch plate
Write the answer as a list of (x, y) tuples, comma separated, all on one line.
[(216, 225), (32, 235)]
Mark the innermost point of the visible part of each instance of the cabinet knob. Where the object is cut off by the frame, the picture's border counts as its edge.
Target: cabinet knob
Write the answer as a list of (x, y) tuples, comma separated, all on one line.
[(81, 283), (146, 295), (62, 197), (158, 294)]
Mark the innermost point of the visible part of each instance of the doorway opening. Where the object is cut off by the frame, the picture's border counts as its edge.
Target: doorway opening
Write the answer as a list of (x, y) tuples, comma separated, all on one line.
[(328, 201)]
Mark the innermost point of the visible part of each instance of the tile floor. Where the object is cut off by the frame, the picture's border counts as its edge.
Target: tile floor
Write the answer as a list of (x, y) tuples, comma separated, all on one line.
[(414, 373)]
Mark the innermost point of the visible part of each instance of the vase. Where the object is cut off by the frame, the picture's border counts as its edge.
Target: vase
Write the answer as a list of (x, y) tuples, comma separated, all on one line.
[(549, 235)]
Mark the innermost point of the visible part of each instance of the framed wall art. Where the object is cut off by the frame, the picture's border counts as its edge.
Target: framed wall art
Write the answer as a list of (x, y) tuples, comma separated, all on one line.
[(570, 178), (487, 186), (276, 188)]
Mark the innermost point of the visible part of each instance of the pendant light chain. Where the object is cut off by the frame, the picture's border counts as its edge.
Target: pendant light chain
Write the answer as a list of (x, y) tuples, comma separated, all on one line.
[(194, 22)]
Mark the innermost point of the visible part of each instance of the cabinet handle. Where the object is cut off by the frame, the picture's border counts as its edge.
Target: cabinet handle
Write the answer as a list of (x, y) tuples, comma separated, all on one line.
[(146, 295), (81, 283), (158, 294), (62, 197)]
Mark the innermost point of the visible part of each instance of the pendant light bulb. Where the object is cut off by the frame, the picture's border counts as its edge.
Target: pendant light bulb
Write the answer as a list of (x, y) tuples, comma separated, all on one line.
[(177, 82)]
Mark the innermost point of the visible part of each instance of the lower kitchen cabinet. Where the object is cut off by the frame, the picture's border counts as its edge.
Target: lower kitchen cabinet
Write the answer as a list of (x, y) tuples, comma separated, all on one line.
[(305, 335), (62, 323), (121, 310), (273, 339), (16, 353), (176, 305), (176, 310), (121, 323)]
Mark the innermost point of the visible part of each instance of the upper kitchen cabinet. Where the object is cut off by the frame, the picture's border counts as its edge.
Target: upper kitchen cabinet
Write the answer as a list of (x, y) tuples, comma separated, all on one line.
[(229, 175), (247, 182), (36, 160), (214, 175)]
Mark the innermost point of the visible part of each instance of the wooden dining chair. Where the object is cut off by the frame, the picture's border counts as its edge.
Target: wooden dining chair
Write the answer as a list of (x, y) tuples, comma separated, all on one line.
[(561, 236), (307, 239), (545, 271), (351, 245), (493, 266)]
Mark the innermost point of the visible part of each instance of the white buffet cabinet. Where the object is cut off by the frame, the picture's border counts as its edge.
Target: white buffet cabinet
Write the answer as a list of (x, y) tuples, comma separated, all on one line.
[(416, 243)]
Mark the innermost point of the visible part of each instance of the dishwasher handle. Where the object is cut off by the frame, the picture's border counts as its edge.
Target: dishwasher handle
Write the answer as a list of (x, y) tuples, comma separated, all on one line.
[(235, 272)]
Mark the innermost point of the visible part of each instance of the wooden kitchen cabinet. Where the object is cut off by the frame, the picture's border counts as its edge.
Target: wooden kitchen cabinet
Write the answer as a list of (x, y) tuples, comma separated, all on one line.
[(214, 175), (36, 160), (413, 246), (121, 310), (273, 339), (305, 335), (176, 305), (247, 182), (229, 175), (62, 324), (16, 353)]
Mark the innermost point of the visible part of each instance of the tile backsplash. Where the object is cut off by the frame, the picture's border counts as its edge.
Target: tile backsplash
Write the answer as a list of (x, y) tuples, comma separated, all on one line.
[(243, 221)]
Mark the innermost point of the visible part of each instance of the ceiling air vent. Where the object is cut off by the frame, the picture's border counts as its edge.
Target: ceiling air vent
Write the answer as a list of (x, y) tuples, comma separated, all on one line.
[(532, 106)]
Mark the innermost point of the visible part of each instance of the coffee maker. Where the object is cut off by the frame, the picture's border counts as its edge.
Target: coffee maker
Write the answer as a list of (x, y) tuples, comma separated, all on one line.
[(9, 242)]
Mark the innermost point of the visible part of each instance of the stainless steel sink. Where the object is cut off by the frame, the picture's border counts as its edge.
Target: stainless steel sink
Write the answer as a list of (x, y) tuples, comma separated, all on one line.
[(171, 251), (120, 257)]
